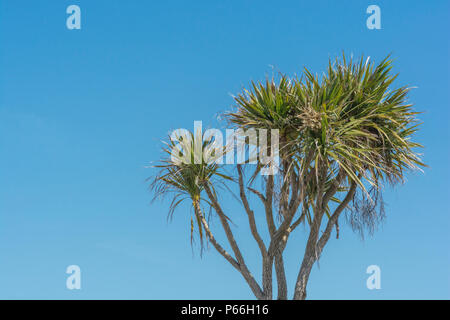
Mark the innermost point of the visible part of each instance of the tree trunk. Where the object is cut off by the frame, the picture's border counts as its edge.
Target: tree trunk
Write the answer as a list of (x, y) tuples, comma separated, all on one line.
[(302, 279), (310, 256), (267, 277), (281, 277)]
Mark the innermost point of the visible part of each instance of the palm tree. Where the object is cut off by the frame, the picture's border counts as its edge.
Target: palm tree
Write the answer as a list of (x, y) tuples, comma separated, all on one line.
[(342, 136)]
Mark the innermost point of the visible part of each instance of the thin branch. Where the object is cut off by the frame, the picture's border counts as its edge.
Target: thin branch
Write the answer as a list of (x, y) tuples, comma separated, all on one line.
[(298, 221), (282, 231), (267, 263), (254, 286), (267, 202), (334, 218), (216, 245), (259, 194), (250, 213)]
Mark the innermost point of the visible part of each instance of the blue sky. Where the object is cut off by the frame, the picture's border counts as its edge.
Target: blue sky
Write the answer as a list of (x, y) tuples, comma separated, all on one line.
[(82, 113)]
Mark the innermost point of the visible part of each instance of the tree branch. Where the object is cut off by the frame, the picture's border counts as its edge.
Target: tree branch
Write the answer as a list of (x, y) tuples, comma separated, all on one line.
[(302, 180), (216, 245), (250, 213), (267, 263), (254, 286), (268, 205), (334, 218)]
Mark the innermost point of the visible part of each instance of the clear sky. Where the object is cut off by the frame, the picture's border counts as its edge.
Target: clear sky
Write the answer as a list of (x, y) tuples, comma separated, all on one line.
[(82, 113)]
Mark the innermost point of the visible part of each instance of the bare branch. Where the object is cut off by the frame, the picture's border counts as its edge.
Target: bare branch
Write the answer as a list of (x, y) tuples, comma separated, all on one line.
[(216, 245), (334, 218), (267, 263), (254, 286), (250, 213), (268, 205), (259, 194)]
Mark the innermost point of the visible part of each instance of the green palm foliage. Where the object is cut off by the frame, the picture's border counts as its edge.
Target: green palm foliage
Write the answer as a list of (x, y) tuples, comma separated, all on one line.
[(349, 119), (266, 106), (184, 179), (354, 121)]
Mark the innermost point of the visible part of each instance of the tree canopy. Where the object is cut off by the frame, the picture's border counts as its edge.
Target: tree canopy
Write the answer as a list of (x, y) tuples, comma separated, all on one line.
[(342, 136)]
